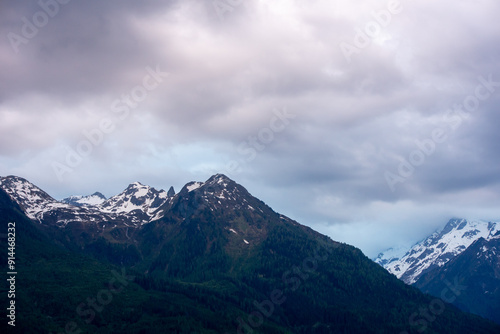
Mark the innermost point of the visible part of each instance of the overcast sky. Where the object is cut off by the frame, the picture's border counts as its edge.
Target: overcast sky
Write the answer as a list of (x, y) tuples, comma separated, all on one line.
[(373, 122)]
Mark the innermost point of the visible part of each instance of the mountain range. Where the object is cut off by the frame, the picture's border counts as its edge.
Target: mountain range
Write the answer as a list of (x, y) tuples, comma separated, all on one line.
[(211, 258), (465, 251)]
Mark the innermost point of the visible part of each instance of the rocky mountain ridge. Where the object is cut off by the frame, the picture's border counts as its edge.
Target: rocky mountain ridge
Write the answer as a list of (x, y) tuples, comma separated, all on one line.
[(437, 249)]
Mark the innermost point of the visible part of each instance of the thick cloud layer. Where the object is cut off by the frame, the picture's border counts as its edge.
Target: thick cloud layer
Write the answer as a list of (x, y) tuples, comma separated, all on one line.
[(371, 121)]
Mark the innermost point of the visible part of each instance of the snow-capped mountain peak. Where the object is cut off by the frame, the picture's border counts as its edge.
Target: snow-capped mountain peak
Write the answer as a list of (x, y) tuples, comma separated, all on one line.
[(29, 197), (220, 192), (41, 207), (94, 199), (135, 197), (437, 249)]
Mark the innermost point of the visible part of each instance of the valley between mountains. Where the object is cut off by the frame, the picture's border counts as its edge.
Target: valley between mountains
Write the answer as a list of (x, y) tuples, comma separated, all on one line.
[(212, 258)]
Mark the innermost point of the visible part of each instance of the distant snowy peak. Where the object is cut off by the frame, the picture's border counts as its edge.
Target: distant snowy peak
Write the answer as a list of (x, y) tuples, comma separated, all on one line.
[(94, 199), (41, 207), (391, 255), (437, 249), (135, 197), (22, 188), (29, 197)]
